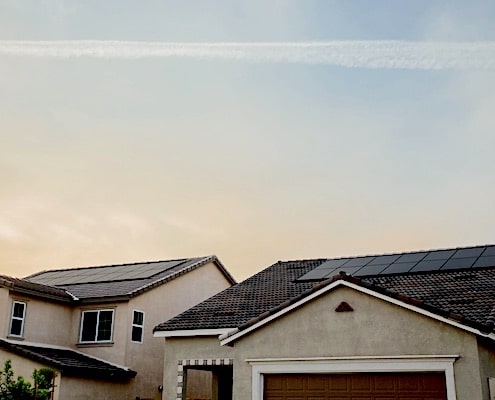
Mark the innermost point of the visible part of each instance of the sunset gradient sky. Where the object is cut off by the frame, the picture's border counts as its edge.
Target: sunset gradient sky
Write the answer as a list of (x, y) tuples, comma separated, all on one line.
[(107, 160)]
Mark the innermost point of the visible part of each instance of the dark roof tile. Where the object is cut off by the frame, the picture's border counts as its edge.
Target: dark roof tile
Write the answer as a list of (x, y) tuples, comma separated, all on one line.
[(68, 361), (467, 295)]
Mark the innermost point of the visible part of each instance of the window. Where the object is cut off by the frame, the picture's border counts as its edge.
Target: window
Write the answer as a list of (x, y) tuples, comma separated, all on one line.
[(96, 326), (137, 326), (17, 320)]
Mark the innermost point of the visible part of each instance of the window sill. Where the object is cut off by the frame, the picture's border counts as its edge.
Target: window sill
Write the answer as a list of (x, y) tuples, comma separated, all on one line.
[(15, 337), (95, 344)]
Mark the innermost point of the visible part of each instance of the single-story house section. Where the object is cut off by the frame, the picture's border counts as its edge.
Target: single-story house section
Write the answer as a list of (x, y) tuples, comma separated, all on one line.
[(93, 325), (416, 325)]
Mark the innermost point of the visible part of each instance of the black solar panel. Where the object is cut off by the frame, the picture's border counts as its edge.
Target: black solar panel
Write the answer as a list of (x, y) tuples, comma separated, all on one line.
[(103, 274), (420, 261)]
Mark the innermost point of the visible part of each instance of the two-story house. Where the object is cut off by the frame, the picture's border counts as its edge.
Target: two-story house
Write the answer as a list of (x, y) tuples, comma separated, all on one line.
[(93, 326)]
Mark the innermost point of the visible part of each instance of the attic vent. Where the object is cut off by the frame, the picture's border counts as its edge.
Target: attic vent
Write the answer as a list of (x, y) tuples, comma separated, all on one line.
[(344, 307)]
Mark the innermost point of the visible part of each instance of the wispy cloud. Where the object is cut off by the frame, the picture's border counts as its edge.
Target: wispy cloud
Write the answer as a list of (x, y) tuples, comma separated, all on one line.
[(388, 54)]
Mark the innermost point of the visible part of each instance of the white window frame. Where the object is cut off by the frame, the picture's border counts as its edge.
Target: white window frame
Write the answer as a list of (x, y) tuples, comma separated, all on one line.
[(97, 325), (22, 319), (137, 326), (420, 363)]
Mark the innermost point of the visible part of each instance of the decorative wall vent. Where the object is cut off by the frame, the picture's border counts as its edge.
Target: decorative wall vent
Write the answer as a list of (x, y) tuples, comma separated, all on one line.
[(344, 307)]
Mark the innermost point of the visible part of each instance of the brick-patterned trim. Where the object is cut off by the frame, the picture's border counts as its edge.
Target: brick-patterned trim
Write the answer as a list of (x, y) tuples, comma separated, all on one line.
[(198, 362)]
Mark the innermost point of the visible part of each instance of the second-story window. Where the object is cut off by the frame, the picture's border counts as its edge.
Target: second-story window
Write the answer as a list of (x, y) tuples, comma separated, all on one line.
[(96, 326), (17, 318), (137, 326)]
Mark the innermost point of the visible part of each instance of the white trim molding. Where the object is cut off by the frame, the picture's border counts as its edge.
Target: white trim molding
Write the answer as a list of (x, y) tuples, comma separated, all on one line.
[(234, 334), (334, 365), (192, 332)]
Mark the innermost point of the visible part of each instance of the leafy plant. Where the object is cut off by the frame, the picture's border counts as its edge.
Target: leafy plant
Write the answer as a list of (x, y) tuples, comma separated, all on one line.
[(20, 389)]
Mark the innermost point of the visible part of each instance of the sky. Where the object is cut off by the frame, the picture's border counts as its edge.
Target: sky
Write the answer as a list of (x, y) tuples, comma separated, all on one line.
[(253, 130)]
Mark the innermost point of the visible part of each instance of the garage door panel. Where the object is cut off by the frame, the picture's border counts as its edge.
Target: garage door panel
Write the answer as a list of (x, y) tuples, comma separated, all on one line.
[(359, 386), (336, 382)]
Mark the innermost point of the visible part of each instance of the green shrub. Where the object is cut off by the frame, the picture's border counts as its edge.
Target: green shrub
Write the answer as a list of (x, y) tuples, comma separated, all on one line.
[(20, 389)]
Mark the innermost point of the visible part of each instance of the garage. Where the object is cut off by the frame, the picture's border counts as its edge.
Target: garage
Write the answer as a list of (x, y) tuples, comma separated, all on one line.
[(362, 386)]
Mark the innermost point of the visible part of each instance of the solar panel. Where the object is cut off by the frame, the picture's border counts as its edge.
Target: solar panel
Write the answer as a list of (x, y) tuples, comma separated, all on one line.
[(439, 255), (371, 270), (473, 252), (459, 263), (490, 251), (358, 262), (420, 261), (410, 257), (104, 274), (488, 261), (388, 259), (398, 268)]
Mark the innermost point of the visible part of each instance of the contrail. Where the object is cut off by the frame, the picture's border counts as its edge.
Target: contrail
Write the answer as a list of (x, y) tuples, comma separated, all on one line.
[(388, 54)]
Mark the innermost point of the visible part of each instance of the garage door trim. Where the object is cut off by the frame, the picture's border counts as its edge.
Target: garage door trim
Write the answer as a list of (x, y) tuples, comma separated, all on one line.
[(330, 365)]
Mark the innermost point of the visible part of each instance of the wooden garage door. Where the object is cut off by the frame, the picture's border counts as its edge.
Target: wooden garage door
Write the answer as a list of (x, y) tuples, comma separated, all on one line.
[(365, 386)]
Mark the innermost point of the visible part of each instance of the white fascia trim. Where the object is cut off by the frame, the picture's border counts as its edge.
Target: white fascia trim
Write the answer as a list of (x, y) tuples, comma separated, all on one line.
[(193, 332), (229, 338), (329, 365)]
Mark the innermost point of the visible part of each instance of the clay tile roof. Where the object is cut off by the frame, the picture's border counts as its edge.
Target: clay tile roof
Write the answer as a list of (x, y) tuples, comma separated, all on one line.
[(464, 295), (69, 362)]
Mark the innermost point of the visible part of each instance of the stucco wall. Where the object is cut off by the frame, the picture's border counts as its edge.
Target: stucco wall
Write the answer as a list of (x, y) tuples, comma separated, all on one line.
[(88, 389), (45, 322), (25, 368), (5, 310), (374, 328), (487, 363), (189, 349)]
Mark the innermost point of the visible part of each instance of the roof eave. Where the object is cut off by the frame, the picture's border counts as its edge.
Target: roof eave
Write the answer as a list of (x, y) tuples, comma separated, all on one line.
[(219, 332)]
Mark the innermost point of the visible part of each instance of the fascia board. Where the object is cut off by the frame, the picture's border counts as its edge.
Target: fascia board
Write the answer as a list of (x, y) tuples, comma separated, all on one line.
[(192, 332)]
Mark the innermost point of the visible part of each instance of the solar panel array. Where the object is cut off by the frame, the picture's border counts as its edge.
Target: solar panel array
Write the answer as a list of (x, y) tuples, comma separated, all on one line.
[(110, 273), (421, 261)]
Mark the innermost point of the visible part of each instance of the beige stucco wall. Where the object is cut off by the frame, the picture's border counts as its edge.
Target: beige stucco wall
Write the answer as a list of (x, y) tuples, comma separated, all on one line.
[(90, 389), (25, 368), (5, 310), (192, 348), (374, 328), (486, 350), (45, 322)]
